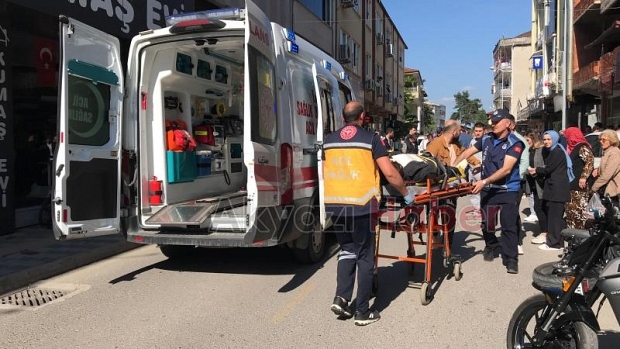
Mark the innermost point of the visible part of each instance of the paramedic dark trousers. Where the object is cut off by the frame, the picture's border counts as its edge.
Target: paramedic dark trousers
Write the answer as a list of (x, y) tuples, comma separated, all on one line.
[(356, 236), (506, 202)]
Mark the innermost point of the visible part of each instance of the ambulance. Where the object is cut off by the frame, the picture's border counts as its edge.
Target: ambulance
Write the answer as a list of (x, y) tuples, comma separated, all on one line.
[(212, 138)]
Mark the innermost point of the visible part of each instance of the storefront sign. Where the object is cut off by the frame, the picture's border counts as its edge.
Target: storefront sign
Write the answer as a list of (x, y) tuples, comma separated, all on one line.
[(7, 154), (121, 18)]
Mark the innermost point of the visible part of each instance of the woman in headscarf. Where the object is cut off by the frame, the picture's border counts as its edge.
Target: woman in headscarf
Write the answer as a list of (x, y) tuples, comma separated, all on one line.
[(608, 180), (557, 173), (536, 184), (583, 163)]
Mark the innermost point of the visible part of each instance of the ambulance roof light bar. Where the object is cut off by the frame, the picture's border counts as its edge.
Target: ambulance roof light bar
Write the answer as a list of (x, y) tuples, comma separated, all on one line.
[(230, 13)]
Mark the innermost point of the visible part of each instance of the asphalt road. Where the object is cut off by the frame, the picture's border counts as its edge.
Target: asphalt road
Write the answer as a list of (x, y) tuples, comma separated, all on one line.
[(260, 298)]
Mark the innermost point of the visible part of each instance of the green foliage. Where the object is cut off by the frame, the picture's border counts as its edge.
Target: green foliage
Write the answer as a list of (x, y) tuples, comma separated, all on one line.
[(468, 110), (429, 118)]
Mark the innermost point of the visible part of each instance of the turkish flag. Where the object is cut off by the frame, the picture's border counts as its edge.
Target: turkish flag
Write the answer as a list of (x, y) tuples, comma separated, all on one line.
[(46, 58)]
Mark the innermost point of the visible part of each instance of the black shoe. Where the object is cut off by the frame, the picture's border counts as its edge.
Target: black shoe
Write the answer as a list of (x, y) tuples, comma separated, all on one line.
[(341, 308), (363, 319), (512, 267), (488, 254)]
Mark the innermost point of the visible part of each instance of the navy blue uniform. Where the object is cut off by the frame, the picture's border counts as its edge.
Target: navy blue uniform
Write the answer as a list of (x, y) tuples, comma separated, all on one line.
[(502, 194)]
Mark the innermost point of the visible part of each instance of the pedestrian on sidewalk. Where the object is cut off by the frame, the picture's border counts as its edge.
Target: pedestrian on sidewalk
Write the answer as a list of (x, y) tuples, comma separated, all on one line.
[(523, 165), (583, 164), (499, 187), (352, 196), (557, 173), (474, 175), (533, 141), (537, 184), (608, 175)]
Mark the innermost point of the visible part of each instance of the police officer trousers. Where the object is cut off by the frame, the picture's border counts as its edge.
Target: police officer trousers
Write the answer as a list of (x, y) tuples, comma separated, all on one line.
[(356, 236), (506, 203)]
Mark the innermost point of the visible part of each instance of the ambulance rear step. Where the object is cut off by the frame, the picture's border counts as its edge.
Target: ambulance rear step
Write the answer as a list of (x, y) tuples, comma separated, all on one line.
[(195, 214)]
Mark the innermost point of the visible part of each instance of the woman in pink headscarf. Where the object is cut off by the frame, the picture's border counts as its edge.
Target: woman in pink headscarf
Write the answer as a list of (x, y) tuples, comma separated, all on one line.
[(582, 157)]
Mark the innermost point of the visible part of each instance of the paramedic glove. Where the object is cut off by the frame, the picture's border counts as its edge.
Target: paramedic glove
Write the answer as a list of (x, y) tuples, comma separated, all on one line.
[(409, 197)]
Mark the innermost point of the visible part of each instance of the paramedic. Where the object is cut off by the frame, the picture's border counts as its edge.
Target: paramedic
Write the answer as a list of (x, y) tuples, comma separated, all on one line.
[(499, 187), (446, 148), (353, 158)]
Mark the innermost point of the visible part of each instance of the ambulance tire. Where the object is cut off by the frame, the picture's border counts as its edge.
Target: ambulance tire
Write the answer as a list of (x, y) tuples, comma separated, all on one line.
[(177, 252), (315, 244)]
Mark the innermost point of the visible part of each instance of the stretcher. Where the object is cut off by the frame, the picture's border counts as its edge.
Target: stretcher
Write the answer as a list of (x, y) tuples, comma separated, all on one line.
[(395, 216)]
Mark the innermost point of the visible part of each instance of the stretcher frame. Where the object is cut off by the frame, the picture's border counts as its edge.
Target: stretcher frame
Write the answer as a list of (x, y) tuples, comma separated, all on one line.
[(405, 224)]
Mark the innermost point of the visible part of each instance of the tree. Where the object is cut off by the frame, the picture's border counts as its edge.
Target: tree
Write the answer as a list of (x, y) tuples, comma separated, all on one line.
[(429, 118), (468, 111)]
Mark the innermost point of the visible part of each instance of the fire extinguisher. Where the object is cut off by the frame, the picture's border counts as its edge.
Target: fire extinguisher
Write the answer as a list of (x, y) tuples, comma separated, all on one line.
[(155, 191)]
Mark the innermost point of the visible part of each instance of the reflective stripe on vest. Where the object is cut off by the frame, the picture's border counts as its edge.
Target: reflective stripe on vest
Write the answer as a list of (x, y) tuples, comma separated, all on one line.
[(350, 173)]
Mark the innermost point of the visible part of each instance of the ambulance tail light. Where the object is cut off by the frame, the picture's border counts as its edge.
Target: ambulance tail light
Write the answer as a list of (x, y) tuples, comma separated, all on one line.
[(286, 174)]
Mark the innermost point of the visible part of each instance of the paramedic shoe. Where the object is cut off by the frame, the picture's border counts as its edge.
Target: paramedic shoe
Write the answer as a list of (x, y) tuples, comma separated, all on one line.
[(530, 219), (341, 308), (540, 239), (512, 267), (488, 254), (520, 249), (363, 319)]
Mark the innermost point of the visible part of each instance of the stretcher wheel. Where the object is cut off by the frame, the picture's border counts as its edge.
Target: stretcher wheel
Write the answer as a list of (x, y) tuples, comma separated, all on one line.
[(456, 271), (446, 262), (375, 285), (426, 293)]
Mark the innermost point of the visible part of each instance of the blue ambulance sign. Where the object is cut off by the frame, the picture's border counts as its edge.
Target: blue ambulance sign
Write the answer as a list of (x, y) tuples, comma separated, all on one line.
[(537, 62)]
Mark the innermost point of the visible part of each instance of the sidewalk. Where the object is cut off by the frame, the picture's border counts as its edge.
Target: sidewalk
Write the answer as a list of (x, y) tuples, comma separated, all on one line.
[(32, 254)]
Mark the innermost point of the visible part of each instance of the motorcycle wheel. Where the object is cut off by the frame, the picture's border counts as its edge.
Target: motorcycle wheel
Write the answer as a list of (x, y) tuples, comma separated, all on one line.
[(525, 320)]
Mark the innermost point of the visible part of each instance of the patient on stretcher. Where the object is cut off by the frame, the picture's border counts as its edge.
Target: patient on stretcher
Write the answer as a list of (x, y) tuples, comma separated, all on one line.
[(416, 169)]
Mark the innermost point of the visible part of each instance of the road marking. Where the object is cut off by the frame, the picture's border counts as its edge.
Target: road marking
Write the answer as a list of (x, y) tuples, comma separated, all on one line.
[(288, 308)]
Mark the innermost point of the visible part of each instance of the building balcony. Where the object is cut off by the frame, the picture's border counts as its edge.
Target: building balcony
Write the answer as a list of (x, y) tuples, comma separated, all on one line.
[(585, 10), (608, 69), (587, 77), (504, 93)]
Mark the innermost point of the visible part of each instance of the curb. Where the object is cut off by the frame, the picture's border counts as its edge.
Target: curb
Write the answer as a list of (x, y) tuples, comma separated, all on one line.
[(26, 277)]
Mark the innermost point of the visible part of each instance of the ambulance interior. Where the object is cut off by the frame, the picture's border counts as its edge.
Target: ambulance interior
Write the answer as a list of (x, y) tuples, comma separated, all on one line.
[(194, 86)]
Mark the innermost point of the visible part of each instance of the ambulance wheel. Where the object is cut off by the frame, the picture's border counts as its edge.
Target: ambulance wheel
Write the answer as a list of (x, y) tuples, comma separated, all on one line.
[(177, 252), (426, 293), (456, 271), (315, 244)]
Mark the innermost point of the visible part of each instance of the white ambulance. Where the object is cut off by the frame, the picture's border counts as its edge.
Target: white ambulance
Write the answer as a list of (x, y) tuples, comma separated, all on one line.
[(260, 95)]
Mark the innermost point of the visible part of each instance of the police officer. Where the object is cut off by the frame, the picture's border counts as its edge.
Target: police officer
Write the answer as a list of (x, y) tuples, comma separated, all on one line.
[(499, 187), (353, 158)]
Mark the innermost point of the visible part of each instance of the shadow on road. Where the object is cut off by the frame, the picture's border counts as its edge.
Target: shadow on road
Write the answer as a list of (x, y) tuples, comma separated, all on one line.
[(255, 261), (394, 279)]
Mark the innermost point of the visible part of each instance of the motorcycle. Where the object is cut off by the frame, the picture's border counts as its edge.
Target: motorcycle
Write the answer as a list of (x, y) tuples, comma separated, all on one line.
[(562, 315)]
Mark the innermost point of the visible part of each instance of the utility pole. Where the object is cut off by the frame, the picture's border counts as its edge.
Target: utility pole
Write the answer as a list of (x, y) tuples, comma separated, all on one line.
[(567, 41)]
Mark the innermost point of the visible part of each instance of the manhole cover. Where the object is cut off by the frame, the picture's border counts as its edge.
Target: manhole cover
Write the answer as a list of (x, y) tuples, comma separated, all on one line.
[(37, 296), (32, 297)]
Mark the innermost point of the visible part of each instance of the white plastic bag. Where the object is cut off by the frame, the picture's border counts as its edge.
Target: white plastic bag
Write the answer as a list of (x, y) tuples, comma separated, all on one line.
[(595, 207)]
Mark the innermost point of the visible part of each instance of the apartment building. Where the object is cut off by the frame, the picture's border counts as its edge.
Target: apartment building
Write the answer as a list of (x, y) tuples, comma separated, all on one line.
[(414, 90), (511, 74), (596, 46), (439, 111)]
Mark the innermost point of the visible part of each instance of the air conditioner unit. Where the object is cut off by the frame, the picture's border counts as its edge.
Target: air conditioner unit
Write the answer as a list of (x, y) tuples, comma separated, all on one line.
[(379, 38), (344, 54), (389, 50), (348, 3), (370, 85)]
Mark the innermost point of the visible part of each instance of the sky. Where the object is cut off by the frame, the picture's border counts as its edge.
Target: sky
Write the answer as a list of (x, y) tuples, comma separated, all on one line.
[(451, 42)]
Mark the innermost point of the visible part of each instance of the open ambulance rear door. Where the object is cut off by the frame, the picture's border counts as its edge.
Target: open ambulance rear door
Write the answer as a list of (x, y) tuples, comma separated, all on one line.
[(86, 199), (326, 89), (260, 123)]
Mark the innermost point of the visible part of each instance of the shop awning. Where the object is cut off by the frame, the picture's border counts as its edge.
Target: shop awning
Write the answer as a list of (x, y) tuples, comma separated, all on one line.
[(611, 34)]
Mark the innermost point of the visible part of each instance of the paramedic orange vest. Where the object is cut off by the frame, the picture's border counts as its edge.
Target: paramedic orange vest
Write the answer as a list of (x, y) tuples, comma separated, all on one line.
[(351, 176)]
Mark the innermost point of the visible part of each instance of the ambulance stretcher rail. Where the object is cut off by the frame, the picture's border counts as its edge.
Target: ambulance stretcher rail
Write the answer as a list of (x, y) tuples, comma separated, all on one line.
[(408, 221)]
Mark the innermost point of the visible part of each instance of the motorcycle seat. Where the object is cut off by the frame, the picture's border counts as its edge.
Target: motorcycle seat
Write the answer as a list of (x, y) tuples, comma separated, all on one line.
[(569, 234)]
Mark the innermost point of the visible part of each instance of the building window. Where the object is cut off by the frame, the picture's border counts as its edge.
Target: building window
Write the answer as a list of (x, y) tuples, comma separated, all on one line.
[(368, 66), (321, 8), (369, 12)]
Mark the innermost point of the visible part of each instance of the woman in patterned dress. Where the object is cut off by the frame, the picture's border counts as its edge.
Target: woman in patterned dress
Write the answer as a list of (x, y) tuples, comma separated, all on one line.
[(582, 157)]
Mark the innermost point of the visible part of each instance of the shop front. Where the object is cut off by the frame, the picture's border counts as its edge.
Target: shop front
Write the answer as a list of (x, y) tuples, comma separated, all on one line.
[(28, 88)]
